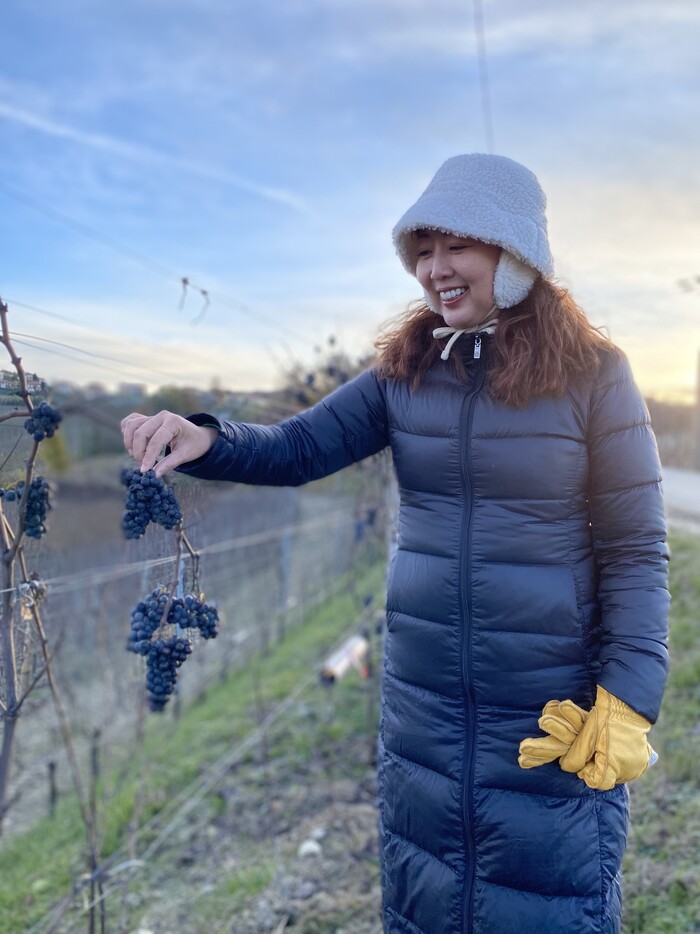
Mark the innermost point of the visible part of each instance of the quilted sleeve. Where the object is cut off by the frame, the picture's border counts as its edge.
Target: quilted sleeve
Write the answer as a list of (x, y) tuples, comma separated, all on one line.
[(347, 426), (629, 533)]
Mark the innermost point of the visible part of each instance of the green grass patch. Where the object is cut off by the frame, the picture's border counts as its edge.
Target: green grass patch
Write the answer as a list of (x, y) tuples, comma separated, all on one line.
[(39, 867), (327, 730), (230, 895), (661, 882)]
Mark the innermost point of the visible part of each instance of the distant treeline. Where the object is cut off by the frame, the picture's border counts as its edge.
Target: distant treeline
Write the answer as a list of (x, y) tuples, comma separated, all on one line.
[(677, 428)]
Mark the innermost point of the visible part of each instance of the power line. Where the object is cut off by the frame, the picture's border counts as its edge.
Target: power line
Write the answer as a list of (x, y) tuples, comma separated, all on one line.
[(87, 353), (279, 407), (153, 266), (483, 75), (69, 356), (100, 334), (51, 314)]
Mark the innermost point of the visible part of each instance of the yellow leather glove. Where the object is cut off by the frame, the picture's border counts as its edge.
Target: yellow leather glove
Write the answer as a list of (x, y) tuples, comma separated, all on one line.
[(563, 720), (612, 746)]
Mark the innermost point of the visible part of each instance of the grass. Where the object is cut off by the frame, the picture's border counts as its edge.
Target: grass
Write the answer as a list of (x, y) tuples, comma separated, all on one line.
[(228, 897), (39, 867), (662, 882)]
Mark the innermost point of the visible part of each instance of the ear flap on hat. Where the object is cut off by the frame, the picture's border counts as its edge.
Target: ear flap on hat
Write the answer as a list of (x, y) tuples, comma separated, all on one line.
[(512, 281), (429, 303)]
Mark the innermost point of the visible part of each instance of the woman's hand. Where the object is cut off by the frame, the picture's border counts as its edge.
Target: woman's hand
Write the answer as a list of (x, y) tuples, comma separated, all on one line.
[(145, 436)]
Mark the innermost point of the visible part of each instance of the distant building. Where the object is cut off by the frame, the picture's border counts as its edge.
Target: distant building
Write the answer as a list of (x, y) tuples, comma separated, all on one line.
[(9, 382)]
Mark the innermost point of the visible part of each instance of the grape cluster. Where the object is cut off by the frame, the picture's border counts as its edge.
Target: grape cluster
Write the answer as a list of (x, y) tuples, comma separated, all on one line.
[(145, 619), (43, 421), (148, 499), (38, 504), (165, 655), (162, 661), (193, 613)]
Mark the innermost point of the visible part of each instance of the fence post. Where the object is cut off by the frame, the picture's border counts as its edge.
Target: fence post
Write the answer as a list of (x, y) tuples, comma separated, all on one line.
[(53, 790), (285, 574)]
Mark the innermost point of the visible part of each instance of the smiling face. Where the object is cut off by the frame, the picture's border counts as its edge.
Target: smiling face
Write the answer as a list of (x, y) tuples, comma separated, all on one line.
[(457, 276)]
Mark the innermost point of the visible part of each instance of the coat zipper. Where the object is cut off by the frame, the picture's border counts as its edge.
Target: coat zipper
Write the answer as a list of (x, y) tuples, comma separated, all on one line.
[(466, 643)]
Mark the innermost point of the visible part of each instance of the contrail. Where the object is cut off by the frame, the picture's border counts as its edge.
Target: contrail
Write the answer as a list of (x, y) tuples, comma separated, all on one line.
[(141, 153)]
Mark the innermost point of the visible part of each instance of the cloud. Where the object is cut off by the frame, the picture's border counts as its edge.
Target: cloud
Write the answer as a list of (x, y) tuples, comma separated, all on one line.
[(66, 350), (129, 118), (144, 154)]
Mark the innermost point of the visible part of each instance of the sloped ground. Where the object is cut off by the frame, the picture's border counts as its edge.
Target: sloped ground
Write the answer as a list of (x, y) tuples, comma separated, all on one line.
[(274, 850), (234, 864), (278, 807)]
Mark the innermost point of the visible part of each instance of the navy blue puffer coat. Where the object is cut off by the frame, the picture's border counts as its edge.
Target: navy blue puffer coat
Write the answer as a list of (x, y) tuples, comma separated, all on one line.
[(531, 566)]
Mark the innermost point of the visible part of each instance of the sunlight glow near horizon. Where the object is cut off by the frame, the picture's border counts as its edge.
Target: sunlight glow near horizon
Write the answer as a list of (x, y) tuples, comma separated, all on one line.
[(266, 153)]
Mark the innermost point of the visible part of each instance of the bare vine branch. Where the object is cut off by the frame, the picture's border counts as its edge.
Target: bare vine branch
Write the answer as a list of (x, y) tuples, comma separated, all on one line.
[(15, 413), (16, 361)]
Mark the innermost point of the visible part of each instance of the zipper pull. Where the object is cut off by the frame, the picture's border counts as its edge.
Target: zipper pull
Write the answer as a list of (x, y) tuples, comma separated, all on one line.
[(477, 346)]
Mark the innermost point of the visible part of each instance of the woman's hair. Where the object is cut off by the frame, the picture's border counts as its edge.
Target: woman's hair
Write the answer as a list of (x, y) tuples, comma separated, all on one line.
[(539, 346)]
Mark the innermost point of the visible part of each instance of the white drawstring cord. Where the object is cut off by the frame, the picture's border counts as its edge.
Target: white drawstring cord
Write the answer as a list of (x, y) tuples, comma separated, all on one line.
[(487, 327)]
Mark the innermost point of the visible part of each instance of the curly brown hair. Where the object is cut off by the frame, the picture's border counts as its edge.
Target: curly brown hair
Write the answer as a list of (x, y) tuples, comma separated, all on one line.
[(540, 345)]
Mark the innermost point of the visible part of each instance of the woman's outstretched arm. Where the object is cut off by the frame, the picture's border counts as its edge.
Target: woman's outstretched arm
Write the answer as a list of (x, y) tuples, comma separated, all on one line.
[(348, 425)]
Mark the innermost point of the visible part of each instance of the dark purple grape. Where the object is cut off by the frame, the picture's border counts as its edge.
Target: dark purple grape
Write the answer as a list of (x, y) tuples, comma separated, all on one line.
[(43, 421), (165, 655), (148, 499), (163, 659), (38, 504)]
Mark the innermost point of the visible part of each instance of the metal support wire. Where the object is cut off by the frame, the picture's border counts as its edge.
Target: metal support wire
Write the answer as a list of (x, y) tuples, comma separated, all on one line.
[(163, 824), (483, 75)]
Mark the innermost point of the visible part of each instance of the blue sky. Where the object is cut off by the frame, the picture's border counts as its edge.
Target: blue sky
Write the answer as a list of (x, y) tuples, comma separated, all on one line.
[(264, 150)]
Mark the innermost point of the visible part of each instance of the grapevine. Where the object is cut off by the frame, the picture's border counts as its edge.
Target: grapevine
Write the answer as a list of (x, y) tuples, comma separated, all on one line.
[(165, 654), (37, 504), (43, 421), (192, 613), (146, 617), (148, 499), (164, 658), (163, 624)]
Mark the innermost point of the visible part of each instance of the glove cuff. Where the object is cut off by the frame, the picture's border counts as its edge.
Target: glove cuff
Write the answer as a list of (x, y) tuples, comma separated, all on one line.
[(612, 707)]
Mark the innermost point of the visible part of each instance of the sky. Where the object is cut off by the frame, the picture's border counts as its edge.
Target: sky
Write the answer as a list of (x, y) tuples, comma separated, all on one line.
[(264, 151)]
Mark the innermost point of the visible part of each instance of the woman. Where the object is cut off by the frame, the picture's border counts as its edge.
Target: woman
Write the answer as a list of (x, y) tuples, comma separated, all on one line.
[(530, 571)]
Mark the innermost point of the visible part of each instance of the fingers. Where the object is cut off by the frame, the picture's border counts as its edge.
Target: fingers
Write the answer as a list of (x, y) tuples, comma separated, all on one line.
[(583, 747), (171, 461), (129, 426), (556, 724), (563, 721), (146, 436), (575, 715), (598, 774), (149, 441), (539, 751)]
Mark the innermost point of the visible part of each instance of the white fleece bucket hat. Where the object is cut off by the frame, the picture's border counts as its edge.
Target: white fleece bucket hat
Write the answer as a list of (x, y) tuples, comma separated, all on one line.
[(492, 199)]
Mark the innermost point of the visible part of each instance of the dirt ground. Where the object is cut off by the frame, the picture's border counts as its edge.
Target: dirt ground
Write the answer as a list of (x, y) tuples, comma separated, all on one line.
[(305, 850)]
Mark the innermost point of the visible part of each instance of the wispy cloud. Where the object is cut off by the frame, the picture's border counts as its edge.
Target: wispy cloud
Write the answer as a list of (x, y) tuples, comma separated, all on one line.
[(145, 154), (151, 119)]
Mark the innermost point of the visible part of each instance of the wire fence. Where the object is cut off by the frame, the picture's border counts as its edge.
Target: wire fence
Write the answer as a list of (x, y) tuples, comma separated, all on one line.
[(148, 839), (267, 557)]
